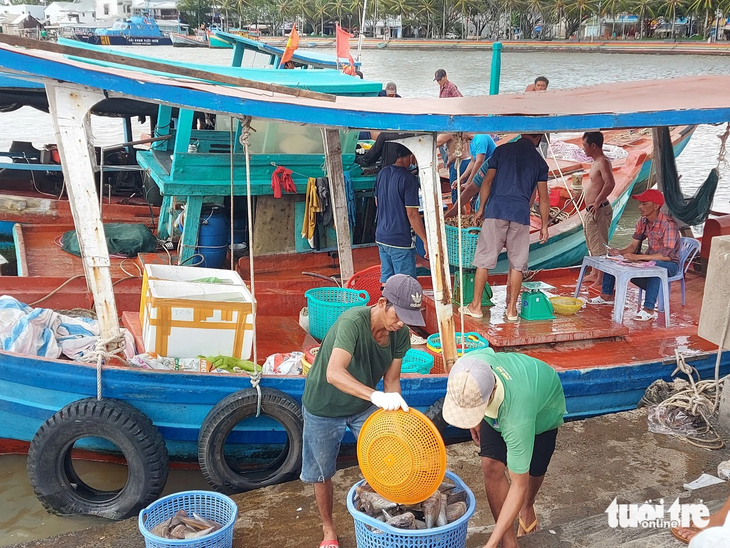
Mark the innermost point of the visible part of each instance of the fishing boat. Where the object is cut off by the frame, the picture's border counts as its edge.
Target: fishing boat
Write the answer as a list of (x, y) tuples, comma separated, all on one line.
[(198, 40), (138, 30), (605, 372)]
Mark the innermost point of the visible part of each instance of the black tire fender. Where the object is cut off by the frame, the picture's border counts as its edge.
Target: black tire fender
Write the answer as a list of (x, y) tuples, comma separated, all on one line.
[(223, 418), (51, 471), (435, 413)]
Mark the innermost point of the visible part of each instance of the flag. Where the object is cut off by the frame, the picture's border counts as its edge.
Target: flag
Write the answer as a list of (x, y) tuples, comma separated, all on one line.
[(291, 45), (343, 44)]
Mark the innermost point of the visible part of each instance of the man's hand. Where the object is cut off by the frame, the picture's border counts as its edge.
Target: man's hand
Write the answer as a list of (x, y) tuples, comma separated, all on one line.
[(390, 401), (612, 251), (451, 212), (476, 435), (632, 257), (480, 212), (544, 234)]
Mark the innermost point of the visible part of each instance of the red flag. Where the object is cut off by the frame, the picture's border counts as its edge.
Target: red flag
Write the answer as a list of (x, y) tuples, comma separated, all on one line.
[(291, 45), (343, 44)]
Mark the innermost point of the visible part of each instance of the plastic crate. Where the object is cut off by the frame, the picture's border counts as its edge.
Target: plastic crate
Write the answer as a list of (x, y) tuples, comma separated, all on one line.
[(417, 361), (371, 533), (206, 504), (326, 304), (469, 238), (474, 341)]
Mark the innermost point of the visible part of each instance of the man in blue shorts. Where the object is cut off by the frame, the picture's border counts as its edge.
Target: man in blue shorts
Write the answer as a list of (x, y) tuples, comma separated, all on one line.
[(396, 197), (513, 404), (365, 344)]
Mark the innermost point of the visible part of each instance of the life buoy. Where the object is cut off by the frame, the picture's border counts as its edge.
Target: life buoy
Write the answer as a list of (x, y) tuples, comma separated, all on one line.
[(62, 491), (221, 473), (435, 413)]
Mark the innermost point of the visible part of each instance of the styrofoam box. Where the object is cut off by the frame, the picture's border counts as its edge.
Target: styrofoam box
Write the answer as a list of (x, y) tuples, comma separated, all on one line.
[(185, 319), (182, 274)]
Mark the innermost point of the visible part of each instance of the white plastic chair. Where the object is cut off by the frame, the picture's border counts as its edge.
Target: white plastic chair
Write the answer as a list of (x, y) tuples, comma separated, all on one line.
[(688, 248)]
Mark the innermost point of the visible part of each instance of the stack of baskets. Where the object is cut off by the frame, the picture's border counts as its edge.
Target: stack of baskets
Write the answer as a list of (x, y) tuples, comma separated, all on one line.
[(325, 304), (417, 361), (308, 359), (472, 341)]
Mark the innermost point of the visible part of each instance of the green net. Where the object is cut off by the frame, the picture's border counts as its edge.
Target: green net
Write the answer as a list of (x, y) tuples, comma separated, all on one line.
[(121, 239), (695, 209)]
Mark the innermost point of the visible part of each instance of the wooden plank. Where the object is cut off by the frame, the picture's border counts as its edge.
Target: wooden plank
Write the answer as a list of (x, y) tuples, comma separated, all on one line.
[(164, 117), (424, 147), (161, 67), (70, 109), (191, 224), (335, 175)]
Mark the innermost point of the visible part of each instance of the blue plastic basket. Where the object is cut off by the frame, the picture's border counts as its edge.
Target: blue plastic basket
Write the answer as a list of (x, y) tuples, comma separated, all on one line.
[(371, 533), (417, 361), (469, 238), (207, 504), (326, 304)]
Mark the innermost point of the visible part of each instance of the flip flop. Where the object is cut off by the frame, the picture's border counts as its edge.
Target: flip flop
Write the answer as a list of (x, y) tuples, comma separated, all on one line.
[(329, 544), (468, 312), (681, 538), (527, 530), (512, 318)]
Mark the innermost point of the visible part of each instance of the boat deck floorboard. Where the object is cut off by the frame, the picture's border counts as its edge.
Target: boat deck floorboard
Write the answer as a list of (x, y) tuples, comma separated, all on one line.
[(586, 339)]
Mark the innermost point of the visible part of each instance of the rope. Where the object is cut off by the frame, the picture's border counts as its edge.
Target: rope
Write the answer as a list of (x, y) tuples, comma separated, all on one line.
[(723, 140), (64, 284), (565, 183), (255, 377), (101, 354), (458, 150)]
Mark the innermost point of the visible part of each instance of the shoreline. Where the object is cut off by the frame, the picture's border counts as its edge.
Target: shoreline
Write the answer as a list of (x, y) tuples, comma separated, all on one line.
[(652, 47)]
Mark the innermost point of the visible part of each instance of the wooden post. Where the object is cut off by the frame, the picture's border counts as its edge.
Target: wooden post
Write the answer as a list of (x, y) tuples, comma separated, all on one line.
[(70, 108), (336, 177), (656, 158), (191, 225), (424, 147)]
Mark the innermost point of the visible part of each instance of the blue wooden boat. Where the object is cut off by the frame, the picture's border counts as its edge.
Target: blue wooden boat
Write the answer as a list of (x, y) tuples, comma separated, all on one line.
[(602, 375), (138, 30)]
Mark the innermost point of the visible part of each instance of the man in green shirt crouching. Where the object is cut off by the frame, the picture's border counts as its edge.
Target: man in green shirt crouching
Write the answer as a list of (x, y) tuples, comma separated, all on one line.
[(364, 345), (513, 405)]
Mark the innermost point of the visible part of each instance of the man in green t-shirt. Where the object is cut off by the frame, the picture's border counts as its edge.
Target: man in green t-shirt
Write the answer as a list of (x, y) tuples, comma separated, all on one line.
[(513, 405), (365, 345)]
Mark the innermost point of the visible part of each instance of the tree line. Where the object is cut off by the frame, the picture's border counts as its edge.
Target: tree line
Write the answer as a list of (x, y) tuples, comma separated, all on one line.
[(491, 19)]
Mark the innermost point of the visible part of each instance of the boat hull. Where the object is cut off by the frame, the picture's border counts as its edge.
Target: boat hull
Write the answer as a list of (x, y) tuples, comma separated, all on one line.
[(182, 41), (104, 40), (217, 43)]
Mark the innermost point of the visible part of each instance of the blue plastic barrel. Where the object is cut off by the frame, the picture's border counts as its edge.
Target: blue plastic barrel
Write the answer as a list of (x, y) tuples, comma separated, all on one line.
[(213, 237)]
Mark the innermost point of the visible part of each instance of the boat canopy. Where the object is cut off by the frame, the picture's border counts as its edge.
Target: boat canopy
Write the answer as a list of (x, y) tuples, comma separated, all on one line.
[(692, 100)]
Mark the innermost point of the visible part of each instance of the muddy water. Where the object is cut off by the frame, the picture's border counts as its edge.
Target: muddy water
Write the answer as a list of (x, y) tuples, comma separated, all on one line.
[(22, 518)]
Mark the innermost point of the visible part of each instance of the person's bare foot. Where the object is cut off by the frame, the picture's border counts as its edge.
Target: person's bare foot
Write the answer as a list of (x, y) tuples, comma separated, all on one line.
[(590, 279)]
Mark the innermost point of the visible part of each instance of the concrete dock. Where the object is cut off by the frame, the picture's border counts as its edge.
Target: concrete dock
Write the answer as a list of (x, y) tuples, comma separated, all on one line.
[(596, 460)]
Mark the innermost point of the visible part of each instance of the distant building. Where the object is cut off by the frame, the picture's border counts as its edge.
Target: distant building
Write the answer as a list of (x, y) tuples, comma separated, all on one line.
[(20, 25), (108, 11), (23, 9), (79, 12)]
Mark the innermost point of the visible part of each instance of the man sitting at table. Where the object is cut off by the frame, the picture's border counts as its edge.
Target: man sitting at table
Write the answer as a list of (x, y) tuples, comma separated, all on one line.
[(662, 233)]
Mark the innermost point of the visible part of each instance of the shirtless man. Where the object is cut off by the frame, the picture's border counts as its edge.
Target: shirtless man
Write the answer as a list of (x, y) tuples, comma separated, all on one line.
[(541, 84), (599, 212)]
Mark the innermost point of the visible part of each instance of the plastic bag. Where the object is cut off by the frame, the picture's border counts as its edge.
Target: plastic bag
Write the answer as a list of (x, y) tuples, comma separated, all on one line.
[(670, 420), (723, 470), (151, 360), (304, 319), (284, 364)]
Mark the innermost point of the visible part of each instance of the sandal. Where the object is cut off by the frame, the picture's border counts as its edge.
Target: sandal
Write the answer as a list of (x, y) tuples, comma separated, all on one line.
[(329, 544), (527, 530), (680, 537)]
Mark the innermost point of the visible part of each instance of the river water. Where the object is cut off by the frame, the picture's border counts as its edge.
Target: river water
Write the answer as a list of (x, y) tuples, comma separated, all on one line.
[(22, 518)]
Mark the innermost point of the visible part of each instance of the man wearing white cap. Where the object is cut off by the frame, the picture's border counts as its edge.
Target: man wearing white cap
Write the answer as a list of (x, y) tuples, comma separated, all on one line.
[(513, 404), (365, 344)]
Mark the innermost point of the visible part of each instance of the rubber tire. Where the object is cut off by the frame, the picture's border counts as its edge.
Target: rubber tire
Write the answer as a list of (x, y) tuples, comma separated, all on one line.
[(221, 420), (435, 413), (57, 485)]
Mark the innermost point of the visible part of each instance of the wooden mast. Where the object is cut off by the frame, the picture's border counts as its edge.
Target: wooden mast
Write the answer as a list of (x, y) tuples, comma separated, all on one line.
[(424, 148), (70, 108)]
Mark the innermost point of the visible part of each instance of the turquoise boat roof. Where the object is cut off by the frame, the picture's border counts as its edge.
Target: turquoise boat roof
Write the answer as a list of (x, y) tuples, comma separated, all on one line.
[(324, 80)]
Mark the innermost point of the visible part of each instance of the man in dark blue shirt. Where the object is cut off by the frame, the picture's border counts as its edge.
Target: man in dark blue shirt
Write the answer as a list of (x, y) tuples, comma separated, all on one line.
[(515, 170), (396, 197)]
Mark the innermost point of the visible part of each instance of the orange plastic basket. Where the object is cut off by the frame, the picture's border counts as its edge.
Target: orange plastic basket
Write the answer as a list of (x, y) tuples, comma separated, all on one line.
[(368, 280), (402, 455)]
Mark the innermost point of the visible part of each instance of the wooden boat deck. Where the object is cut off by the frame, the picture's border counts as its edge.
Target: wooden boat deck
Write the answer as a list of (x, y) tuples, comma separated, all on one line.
[(591, 338)]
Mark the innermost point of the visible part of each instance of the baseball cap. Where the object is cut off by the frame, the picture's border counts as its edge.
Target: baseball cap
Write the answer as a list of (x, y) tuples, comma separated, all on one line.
[(440, 73), (406, 294), (651, 195), (470, 385)]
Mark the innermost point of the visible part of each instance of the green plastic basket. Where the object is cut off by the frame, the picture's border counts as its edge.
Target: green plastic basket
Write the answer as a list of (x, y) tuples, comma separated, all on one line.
[(326, 304), (417, 361), (469, 238)]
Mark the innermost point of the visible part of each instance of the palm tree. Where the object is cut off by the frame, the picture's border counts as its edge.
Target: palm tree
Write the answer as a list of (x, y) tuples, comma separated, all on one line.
[(612, 6), (427, 9), (510, 6), (671, 8), (558, 9), (463, 6), (581, 6), (399, 7), (320, 10), (644, 7), (708, 6)]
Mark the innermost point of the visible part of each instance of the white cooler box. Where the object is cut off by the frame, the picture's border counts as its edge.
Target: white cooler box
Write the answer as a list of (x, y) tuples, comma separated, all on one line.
[(184, 319), (182, 274)]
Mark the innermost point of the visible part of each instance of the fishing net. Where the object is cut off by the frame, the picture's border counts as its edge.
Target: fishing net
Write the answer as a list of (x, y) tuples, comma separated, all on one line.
[(693, 210)]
